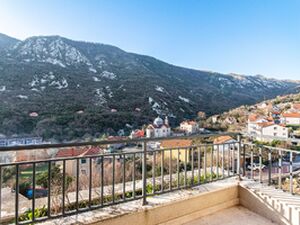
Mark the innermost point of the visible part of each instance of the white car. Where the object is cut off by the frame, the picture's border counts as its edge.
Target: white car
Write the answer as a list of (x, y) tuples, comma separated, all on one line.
[(255, 166)]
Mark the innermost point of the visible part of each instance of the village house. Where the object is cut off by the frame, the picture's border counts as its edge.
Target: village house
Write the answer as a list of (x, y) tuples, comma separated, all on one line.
[(137, 134), (265, 128), (253, 120), (71, 165), (179, 146), (159, 128), (189, 127), (225, 143), (291, 118), (269, 131)]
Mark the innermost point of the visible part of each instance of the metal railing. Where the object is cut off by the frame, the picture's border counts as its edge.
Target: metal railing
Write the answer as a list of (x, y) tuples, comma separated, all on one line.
[(271, 165), (76, 184)]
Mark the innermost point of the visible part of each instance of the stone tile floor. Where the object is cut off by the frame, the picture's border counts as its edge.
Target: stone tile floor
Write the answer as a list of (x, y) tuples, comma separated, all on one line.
[(232, 216)]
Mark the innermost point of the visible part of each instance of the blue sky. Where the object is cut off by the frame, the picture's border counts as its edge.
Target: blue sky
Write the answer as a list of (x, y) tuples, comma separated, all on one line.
[(239, 36)]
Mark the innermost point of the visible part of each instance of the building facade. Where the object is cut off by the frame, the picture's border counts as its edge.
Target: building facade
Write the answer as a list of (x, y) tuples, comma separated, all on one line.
[(159, 128)]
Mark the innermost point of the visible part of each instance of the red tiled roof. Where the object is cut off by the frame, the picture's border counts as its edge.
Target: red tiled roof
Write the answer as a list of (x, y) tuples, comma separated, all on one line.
[(222, 139), (70, 152), (73, 152), (176, 143), (291, 115), (93, 151)]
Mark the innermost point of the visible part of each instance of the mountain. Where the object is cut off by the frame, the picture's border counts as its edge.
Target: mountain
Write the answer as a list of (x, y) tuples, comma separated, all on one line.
[(6, 41), (58, 88)]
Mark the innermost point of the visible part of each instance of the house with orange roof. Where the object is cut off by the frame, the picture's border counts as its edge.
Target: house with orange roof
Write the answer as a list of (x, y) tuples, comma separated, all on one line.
[(291, 118), (189, 127), (180, 149), (224, 143), (84, 163), (269, 131), (253, 120), (266, 128)]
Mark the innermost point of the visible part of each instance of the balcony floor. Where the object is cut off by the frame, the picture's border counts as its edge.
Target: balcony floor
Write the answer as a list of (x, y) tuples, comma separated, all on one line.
[(232, 216)]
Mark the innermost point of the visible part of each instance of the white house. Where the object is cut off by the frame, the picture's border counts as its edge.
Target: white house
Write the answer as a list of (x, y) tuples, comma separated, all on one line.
[(159, 128), (253, 120), (189, 127), (265, 129), (291, 118), (270, 131)]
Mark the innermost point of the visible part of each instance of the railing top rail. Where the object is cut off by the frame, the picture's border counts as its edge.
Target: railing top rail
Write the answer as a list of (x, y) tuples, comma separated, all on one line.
[(272, 148), (106, 142)]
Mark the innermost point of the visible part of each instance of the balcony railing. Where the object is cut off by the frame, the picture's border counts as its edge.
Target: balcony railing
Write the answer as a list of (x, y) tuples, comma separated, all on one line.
[(39, 189)]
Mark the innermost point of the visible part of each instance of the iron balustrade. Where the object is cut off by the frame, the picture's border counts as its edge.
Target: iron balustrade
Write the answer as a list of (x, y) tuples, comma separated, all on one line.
[(132, 175), (275, 165)]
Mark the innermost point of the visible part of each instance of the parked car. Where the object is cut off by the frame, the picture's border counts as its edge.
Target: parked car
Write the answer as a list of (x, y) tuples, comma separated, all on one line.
[(255, 166)]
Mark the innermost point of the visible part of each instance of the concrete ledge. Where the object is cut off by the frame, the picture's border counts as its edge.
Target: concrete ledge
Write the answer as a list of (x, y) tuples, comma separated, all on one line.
[(180, 211)]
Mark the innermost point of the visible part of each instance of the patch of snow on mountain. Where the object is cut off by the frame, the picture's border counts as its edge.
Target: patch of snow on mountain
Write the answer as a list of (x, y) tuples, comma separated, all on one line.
[(110, 94), (54, 62), (108, 75), (2, 88), (101, 63), (22, 96), (96, 79), (160, 89), (150, 100), (184, 99), (100, 97), (93, 70), (154, 105), (60, 84)]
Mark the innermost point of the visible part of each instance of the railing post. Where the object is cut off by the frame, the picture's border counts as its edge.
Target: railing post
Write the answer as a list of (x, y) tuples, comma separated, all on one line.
[(260, 164), (291, 172), (280, 170), (244, 160), (145, 173), (238, 169), (269, 167)]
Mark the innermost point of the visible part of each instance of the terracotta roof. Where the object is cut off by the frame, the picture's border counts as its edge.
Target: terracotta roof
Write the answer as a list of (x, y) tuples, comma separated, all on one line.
[(222, 139), (74, 152), (267, 124), (93, 151), (139, 133), (70, 152), (176, 143), (292, 115)]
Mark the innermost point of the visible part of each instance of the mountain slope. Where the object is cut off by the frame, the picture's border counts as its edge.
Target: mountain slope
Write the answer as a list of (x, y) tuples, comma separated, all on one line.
[(78, 89), (6, 41)]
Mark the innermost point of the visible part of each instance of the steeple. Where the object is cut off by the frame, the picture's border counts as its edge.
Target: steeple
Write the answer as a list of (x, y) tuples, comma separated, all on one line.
[(166, 120)]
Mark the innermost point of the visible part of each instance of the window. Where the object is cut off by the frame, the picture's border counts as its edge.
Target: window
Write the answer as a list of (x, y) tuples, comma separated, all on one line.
[(275, 134), (275, 128), (83, 161), (83, 172)]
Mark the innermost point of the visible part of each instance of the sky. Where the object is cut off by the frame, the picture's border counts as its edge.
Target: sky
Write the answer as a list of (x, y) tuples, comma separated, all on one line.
[(229, 36)]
